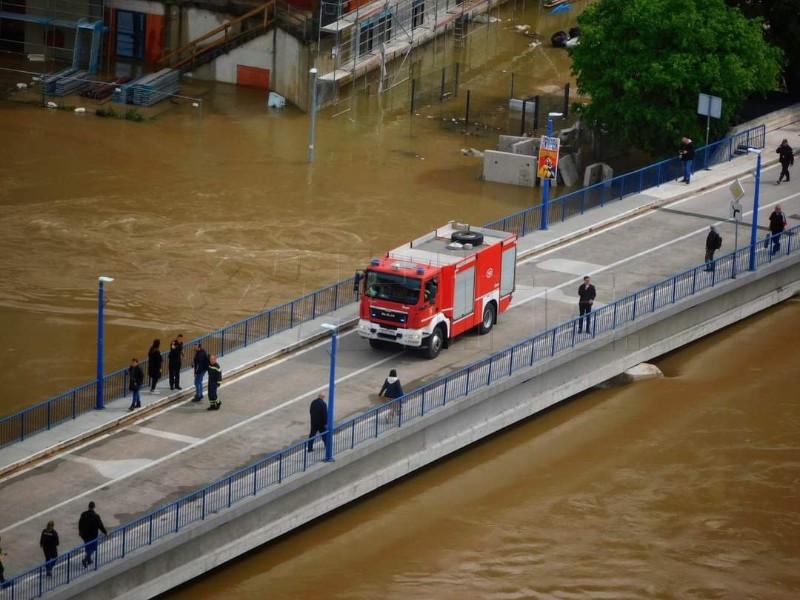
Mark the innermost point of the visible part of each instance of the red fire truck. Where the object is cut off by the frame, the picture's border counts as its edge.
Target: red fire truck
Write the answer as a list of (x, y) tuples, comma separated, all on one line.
[(428, 291)]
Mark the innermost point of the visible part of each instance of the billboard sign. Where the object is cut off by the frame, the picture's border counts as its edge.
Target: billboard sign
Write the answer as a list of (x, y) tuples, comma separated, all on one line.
[(548, 158)]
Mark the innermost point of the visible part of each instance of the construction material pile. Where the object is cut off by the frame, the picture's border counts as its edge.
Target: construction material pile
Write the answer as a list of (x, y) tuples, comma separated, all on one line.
[(150, 89), (64, 82), (103, 89)]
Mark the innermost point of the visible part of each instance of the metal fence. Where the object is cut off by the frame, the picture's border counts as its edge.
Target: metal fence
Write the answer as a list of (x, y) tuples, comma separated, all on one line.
[(617, 188), (277, 467), (80, 400)]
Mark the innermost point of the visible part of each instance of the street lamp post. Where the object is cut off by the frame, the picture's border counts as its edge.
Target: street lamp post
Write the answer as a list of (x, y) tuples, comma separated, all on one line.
[(546, 190), (313, 111), (331, 391), (100, 281), (754, 226)]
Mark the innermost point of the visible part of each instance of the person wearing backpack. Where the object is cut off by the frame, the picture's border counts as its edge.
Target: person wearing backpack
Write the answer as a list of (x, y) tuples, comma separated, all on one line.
[(713, 243), (391, 389)]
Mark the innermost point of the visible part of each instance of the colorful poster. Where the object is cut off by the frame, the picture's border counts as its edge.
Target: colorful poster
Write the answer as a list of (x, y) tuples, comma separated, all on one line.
[(548, 158)]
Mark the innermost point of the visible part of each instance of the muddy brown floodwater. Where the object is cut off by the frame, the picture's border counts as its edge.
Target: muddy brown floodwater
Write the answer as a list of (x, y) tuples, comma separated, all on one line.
[(681, 487), (204, 217)]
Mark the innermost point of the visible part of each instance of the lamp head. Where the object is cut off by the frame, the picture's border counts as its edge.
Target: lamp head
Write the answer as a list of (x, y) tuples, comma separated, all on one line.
[(328, 326), (104, 279), (555, 114), (754, 150)]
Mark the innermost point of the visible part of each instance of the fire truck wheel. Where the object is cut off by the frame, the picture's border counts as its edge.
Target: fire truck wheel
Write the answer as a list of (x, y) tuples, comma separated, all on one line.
[(467, 237), (489, 312), (435, 344)]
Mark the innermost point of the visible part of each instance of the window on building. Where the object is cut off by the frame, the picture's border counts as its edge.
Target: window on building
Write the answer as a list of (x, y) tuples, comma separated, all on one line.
[(417, 13), (374, 32), (130, 34)]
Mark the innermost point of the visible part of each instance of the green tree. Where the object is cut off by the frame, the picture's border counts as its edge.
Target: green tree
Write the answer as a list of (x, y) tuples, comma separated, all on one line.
[(643, 63), (782, 24)]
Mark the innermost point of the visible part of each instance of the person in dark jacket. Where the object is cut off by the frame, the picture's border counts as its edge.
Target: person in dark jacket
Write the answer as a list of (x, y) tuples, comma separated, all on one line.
[(318, 412), (175, 361), (214, 379), (89, 527), (586, 296), (687, 156), (154, 362), (777, 225), (713, 242), (391, 389), (200, 367), (49, 544), (786, 157), (135, 382)]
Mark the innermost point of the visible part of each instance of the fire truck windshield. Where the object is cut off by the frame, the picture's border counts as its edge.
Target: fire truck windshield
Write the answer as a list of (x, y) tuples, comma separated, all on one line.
[(391, 287)]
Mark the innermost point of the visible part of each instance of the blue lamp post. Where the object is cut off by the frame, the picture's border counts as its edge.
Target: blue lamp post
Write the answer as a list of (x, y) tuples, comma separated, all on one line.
[(754, 226), (313, 73), (331, 391), (100, 281), (546, 190)]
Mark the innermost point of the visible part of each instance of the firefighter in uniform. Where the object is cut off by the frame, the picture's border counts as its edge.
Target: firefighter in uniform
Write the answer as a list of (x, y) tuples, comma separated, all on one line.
[(214, 379)]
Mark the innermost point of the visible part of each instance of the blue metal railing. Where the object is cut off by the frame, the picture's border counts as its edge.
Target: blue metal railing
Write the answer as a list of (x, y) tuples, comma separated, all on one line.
[(378, 421), (80, 400), (617, 188)]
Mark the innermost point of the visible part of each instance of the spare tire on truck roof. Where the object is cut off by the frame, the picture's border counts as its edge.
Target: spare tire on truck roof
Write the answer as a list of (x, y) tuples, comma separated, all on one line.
[(467, 237)]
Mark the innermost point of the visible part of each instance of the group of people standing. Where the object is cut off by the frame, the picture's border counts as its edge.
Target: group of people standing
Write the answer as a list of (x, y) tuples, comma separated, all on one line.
[(202, 364)]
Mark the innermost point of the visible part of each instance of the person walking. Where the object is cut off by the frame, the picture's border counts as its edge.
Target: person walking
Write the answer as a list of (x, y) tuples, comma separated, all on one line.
[(318, 411), (687, 156), (49, 544), (586, 296), (777, 225), (713, 243), (200, 367), (154, 362), (89, 527), (786, 158), (214, 379), (135, 382), (175, 362), (391, 389)]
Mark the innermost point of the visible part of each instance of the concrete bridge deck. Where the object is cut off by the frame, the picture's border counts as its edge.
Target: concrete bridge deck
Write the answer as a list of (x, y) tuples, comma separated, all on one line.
[(132, 464)]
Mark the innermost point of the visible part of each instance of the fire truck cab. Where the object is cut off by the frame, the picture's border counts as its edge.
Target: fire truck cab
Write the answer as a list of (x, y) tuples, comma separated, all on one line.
[(436, 287)]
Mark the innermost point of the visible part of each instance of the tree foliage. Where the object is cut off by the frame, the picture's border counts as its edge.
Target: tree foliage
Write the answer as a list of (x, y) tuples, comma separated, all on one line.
[(643, 63), (782, 24)]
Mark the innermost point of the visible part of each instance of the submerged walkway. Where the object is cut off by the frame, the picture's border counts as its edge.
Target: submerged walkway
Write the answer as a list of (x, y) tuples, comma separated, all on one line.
[(132, 464)]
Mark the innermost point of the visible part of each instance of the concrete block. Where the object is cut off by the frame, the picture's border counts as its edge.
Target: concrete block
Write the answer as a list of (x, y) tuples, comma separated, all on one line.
[(596, 173), (506, 167), (515, 104), (528, 147), (567, 170), (506, 142)]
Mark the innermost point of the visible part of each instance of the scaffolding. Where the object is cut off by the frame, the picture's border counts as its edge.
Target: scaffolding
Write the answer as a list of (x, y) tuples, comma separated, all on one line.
[(69, 31), (379, 37)]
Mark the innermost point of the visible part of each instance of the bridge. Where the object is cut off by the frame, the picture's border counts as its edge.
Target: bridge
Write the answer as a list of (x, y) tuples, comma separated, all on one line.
[(149, 472)]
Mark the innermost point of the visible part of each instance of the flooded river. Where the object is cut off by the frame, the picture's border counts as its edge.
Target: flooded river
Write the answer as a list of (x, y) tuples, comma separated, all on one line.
[(682, 487), (207, 216)]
